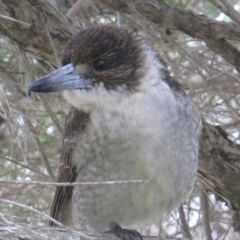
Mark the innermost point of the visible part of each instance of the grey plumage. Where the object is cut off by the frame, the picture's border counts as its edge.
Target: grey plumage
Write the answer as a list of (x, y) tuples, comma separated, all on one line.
[(130, 121)]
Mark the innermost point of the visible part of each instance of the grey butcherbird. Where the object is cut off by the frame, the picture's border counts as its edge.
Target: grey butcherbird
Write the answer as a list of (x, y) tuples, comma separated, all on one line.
[(130, 121)]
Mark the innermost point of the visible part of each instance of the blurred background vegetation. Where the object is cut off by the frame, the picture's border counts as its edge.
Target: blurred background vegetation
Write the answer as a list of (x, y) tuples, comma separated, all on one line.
[(31, 127)]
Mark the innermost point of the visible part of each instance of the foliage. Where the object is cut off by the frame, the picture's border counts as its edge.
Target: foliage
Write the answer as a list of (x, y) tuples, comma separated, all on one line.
[(207, 76)]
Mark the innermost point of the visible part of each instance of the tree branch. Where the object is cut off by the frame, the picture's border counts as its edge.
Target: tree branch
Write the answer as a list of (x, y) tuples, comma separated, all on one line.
[(29, 32), (197, 26), (205, 213), (28, 232)]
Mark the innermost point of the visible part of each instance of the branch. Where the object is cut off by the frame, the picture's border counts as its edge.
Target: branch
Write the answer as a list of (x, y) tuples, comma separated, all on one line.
[(184, 224), (74, 9), (205, 213), (7, 79), (197, 26), (218, 168), (227, 9), (44, 101), (12, 231), (27, 30), (25, 231)]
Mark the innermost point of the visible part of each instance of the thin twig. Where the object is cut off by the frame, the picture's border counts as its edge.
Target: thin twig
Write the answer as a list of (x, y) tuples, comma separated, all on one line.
[(227, 9), (205, 214), (72, 11), (23, 165), (43, 215), (29, 104), (15, 20), (54, 3), (226, 233), (43, 100), (30, 127), (184, 224), (231, 12), (52, 115), (55, 52), (40, 148), (71, 183)]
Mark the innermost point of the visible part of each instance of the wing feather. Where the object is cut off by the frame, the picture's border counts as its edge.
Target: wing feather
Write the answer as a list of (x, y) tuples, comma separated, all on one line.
[(75, 125)]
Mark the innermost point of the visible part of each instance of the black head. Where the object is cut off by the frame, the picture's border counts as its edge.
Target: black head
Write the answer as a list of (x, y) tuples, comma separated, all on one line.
[(110, 55), (100, 54)]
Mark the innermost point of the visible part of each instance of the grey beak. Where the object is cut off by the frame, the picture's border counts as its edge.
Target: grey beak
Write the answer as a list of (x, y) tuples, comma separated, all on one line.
[(61, 79)]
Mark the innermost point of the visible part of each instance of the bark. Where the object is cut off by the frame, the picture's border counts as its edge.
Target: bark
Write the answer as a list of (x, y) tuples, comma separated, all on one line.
[(26, 232), (39, 29), (34, 20), (214, 33)]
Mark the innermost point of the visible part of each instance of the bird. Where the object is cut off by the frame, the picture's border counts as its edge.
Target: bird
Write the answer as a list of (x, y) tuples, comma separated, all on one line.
[(131, 128)]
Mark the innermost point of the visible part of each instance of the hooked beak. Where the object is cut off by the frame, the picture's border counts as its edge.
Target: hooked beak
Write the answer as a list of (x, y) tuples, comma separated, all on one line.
[(61, 79)]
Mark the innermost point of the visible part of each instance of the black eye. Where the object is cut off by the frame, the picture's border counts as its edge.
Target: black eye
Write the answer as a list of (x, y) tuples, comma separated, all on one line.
[(100, 65)]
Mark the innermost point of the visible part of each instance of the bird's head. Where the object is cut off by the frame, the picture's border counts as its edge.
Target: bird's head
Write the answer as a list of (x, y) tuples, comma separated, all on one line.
[(100, 60)]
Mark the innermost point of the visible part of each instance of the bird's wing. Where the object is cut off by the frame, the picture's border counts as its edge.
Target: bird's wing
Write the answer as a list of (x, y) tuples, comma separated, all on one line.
[(75, 125)]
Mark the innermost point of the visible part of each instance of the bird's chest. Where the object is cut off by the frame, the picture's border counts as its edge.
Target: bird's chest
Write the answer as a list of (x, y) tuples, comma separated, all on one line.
[(156, 144), (109, 147)]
